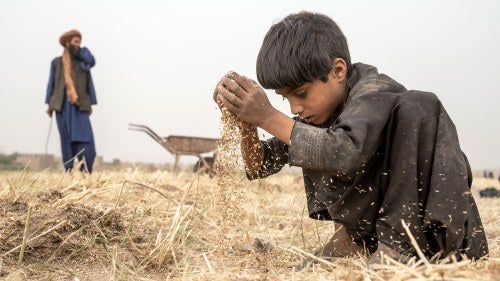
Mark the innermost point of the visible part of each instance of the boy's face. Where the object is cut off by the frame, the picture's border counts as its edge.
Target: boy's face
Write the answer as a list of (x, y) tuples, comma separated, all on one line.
[(316, 101)]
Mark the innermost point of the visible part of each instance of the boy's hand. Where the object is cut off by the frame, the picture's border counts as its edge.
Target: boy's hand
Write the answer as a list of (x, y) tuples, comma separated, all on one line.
[(243, 97)]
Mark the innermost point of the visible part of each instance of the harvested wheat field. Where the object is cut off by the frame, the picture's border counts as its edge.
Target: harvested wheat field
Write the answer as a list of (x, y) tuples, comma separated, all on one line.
[(134, 225)]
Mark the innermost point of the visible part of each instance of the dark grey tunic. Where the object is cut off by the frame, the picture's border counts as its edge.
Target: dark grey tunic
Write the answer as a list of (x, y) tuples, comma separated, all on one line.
[(390, 155)]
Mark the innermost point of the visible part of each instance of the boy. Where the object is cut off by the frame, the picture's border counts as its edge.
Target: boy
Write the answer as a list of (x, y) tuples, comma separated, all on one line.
[(71, 94), (373, 154)]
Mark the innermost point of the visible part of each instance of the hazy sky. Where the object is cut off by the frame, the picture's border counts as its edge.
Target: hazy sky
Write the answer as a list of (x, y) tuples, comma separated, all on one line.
[(159, 61)]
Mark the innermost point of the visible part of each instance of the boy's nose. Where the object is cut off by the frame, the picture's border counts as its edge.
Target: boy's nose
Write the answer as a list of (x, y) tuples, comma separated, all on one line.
[(296, 109)]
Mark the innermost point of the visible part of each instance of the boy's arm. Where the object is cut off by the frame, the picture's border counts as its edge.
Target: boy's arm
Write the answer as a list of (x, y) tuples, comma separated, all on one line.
[(262, 158), (279, 125), (348, 144)]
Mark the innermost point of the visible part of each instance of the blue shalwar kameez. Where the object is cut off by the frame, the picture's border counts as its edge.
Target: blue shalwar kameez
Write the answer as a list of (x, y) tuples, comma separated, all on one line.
[(75, 130)]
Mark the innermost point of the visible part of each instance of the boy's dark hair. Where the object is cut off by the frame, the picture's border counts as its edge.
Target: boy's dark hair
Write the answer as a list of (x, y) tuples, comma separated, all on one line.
[(300, 48)]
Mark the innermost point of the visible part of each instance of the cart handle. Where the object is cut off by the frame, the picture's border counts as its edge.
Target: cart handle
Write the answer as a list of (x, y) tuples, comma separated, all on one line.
[(147, 130)]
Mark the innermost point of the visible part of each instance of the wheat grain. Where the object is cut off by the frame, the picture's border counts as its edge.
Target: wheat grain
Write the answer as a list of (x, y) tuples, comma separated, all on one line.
[(227, 166)]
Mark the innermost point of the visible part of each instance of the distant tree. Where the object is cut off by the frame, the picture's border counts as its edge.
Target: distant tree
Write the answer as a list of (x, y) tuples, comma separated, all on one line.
[(7, 161)]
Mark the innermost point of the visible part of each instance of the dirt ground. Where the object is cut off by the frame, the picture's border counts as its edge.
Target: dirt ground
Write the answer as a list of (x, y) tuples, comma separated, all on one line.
[(133, 225)]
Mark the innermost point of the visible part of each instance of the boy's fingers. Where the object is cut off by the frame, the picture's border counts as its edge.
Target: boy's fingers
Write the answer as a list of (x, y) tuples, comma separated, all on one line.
[(233, 75), (246, 83), (233, 86), (216, 91), (228, 96), (214, 95), (227, 103)]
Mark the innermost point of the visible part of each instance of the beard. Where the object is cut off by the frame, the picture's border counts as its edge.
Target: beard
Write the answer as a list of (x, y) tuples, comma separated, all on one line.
[(74, 51)]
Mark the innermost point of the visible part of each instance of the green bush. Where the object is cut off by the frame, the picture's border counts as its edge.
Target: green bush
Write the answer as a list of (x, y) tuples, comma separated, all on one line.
[(7, 161)]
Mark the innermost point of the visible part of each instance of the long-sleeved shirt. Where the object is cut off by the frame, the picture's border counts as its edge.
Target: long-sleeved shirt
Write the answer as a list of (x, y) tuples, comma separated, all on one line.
[(390, 155)]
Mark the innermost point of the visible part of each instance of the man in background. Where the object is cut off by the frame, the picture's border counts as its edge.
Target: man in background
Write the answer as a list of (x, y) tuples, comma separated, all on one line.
[(71, 94)]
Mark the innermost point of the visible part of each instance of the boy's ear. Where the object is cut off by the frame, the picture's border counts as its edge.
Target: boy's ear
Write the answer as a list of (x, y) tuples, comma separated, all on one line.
[(339, 67)]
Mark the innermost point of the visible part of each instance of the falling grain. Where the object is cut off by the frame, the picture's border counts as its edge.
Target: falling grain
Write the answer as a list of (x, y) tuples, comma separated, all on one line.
[(227, 166)]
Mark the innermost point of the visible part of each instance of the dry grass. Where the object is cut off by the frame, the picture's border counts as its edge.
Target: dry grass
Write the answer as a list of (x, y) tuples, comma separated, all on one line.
[(134, 225)]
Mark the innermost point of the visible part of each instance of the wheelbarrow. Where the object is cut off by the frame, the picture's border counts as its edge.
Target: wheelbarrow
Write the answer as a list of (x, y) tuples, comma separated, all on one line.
[(185, 145)]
